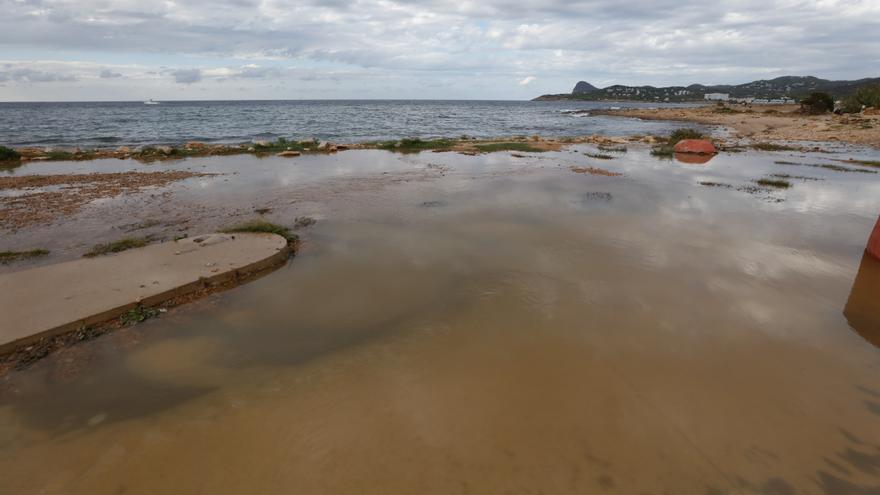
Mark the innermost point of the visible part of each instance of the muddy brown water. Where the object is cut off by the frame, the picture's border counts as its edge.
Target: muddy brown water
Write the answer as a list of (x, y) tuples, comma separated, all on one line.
[(500, 326)]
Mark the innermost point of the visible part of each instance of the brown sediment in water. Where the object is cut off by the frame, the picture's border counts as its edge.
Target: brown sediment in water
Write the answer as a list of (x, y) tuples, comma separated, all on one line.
[(781, 123), (71, 192), (594, 171), (521, 334)]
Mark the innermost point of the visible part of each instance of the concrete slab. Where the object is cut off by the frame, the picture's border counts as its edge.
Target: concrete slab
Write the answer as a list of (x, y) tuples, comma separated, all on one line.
[(54, 299)]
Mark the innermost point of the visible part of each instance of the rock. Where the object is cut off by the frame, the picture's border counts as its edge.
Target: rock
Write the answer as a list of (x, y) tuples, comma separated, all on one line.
[(871, 111), (195, 145), (695, 146), (165, 150), (251, 149), (342, 147), (124, 150), (289, 153), (262, 142), (323, 146), (874, 241)]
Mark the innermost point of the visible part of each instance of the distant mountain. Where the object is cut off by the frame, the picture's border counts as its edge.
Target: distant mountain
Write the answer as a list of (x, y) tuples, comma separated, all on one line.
[(791, 86), (583, 87)]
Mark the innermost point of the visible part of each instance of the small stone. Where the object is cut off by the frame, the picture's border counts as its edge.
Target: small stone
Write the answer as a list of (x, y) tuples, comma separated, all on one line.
[(289, 153)]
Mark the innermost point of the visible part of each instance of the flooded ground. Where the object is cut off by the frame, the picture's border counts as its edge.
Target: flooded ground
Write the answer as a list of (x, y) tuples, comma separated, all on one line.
[(488, 324)]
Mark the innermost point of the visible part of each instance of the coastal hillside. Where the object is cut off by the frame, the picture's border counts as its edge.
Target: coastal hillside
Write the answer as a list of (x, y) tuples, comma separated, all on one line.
[(785, 86)]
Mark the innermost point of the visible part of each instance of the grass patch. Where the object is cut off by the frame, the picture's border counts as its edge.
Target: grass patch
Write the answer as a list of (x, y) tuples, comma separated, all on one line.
[(117, 246), (9, 155), (788, 176), (612, 149), (509, 146), (285, 145), (599, 156), (773, 147), (681, 134), (138, 314), (262, 226), (415, 145), (777, 183), (715, 184), (663, 151), (7, 257)]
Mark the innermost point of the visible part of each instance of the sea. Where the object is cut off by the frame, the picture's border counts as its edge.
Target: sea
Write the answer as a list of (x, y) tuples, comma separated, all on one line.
[(113, 124)]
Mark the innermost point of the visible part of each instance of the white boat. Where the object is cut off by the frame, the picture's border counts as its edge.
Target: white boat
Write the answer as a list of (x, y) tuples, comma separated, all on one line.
[(151, 102)]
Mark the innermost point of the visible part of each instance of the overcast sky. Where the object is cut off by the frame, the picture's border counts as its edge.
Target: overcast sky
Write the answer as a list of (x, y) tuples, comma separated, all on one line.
[(487, 49)]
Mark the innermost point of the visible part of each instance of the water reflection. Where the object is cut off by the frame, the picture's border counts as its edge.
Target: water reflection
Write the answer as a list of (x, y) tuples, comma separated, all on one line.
[(862, 309)]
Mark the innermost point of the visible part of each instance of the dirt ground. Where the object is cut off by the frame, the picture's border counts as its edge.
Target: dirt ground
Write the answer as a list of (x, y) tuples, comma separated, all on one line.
[(770, 122), (44, 198)]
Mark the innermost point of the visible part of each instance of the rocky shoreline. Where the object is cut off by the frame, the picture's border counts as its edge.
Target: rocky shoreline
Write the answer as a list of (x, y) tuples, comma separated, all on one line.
[(769, 122)]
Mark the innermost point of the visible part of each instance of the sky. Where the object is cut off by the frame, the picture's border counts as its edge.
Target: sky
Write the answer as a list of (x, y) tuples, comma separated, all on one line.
[(83, 50)]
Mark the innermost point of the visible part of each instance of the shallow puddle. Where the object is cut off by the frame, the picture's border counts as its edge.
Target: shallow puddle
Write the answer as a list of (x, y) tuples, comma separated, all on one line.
[(503, 326)]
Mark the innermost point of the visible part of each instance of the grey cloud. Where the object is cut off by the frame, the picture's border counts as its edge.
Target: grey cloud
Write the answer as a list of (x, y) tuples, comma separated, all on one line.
[(186, 76), (26, 75), (626, 41), (109, 74)]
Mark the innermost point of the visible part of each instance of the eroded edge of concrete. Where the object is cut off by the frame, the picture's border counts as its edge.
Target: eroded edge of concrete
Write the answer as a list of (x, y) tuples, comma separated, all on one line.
[(241, 274)]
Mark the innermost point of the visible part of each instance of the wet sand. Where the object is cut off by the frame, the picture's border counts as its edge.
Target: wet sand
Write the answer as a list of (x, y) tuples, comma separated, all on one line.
[(481, 324)]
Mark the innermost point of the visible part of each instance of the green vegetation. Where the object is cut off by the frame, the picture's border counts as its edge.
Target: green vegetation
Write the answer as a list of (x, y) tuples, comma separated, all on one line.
[(817, 103), (138, 314), (662, 151), (8, 155), (829, 166), (614, 149), (117, 246), (772, 147), (599, 156), (264, 227), (867, 96), (510, 146), (715, 184), (7, 257), (415, 145), (682, 134), (867, 163), (667, 150), (284, 145), (777, 183)]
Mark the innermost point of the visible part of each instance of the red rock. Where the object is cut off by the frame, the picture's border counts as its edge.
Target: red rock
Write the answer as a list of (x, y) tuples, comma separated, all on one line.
[(874, 241), (698, 146), (693, 158)]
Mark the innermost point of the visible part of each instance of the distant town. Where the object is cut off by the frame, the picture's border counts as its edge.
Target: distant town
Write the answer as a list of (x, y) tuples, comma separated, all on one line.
[(781, 90)]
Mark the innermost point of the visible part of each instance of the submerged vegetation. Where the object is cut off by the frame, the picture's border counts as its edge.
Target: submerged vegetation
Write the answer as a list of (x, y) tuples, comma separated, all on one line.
[(773, 147), (828, 166), (599, 156), (262, 226), (507, 146), (771, 182), (7, 257), (117, 246)]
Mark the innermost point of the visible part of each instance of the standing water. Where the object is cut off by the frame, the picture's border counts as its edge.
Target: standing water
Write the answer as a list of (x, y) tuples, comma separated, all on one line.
[(509, 327)]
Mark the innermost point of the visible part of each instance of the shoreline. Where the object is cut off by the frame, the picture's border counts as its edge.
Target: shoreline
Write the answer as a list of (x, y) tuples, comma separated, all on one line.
[(768, 122)]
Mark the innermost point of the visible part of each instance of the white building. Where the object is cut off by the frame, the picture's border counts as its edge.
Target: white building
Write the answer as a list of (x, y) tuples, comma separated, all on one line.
[(716, 96)]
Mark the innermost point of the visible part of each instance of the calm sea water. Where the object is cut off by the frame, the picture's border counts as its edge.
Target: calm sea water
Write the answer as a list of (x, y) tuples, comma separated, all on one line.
[(134, 123)]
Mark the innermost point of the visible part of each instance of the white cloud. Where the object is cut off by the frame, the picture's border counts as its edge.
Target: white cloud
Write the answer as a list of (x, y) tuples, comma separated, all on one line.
[(470, 46), (527, 80)]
